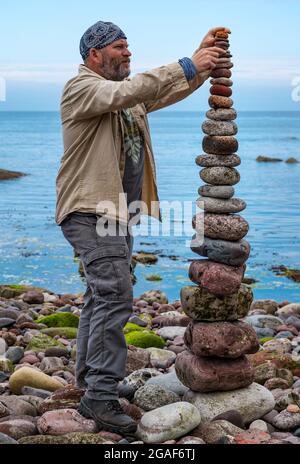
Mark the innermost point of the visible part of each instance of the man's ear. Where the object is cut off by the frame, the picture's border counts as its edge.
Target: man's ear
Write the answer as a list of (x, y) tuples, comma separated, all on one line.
[(96, 56)]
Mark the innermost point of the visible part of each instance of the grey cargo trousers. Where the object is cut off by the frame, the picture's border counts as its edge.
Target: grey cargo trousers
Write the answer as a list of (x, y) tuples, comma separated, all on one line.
[(101, 345)]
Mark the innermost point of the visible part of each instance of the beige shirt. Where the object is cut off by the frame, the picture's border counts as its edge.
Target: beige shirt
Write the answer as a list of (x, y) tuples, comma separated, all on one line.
[(92, 167)]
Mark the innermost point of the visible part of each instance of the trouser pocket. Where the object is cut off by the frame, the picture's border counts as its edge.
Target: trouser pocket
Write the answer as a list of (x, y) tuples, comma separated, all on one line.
[(108, 272)]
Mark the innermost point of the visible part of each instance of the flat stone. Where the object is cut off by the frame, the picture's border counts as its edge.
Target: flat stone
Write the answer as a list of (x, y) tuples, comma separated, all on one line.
[(252, 402), (26, 376), (208, 161), (221, 226), (222, 90), (151, 397), (217, 101), (221, 206), (264, 372), (220, 175), (201, 305), (216, 278), (11, 313), (220, 145), (137, 358), (170, 382), (36, 392), (160, 357), (222, 114), (253, 437), (51, 365), (270, 306), (18, 406), (211, 127), (168, 422), (221, 81), (217, 191), (222, 251), (221, 339), (221, 72), (64, 421), (225, 65), (203, 374)]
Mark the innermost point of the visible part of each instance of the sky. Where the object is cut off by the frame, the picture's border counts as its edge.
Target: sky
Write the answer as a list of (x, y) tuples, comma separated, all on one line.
[(39, 48)]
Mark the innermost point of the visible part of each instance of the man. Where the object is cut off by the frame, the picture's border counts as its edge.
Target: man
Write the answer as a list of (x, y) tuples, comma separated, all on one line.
[(107, 165)]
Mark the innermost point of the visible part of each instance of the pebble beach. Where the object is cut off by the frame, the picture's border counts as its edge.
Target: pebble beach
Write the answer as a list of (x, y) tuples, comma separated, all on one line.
[(39, 400)]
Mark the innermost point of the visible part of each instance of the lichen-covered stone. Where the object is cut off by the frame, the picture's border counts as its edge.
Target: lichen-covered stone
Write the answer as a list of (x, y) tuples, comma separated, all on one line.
[(220, 175), (230, 227), (200, 305), (144, 339)]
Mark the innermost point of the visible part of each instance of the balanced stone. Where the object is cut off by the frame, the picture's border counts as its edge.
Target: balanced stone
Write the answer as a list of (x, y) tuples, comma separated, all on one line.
[(221, 72), (222, 114), (222, 90), (220, 145), (201, 305), (209, 161), (223, 226), (225, 65), (217, 191), (216, 278), (222, 81), (221, 339), (202, 374), (219, 206), (252, 402), (220, 175), (217, 101), (222, 251), (211, 127)]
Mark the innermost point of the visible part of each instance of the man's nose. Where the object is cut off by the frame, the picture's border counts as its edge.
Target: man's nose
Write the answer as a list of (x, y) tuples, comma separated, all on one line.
[(127, 52)]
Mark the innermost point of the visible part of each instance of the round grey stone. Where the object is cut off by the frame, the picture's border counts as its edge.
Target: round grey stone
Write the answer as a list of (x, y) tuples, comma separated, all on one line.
[(222, 251), (6, 440), (15, 354), (221, 81), (211, 127), (219, 206), (217, 191), (210, 161), (220, 175), (222, 114)]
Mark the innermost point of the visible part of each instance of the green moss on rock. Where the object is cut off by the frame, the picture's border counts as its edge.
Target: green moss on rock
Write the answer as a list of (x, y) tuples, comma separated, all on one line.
[(12, 291), (154, 278), (129, 327), (144, 339), (68, 332), (265, 339), (60, 320), (41, 342)]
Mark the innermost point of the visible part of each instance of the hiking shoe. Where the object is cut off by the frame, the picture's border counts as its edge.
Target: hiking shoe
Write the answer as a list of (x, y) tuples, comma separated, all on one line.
[(108, 415)]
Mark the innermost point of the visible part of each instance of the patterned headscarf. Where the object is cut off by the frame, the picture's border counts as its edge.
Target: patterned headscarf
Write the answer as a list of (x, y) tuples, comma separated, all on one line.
[(99, 36)]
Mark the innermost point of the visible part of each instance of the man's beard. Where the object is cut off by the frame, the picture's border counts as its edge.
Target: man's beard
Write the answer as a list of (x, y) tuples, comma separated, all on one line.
[(113, 70)]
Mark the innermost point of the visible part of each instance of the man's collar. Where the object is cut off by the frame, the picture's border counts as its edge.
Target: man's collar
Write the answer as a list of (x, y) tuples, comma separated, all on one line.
[(83, 69)]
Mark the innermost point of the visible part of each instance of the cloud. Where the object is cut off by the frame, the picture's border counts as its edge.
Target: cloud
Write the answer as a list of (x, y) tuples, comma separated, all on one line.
[(246, 70)]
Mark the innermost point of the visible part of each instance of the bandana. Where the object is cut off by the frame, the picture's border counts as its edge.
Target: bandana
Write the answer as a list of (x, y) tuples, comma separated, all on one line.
[(99, 36)]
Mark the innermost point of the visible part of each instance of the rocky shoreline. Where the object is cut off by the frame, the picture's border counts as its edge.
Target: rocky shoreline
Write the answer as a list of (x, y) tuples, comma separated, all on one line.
[(38, 399)]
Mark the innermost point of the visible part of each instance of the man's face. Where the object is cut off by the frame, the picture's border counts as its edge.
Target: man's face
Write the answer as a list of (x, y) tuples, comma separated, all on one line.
[(115, 60)]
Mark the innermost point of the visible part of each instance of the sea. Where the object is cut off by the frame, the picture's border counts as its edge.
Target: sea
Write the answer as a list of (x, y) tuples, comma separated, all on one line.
[(33, 250)]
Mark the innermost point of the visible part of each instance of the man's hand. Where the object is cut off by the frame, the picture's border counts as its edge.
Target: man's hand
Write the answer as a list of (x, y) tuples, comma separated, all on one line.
[(206, 59), (209, 39)]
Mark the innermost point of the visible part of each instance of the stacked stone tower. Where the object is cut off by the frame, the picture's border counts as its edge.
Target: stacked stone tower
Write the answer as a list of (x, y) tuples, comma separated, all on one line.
[(217, 341)]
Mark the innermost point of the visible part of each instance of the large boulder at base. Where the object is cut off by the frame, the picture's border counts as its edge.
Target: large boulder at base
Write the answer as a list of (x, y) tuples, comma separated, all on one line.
[(221, 339), (168, 422), (64, 421), (252, 402), (213, 374), (26, 376), (200, 305)]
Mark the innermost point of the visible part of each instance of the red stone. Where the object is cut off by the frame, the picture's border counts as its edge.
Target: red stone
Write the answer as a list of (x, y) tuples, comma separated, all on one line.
[(221, 72), (252, 437), (217, 101), (221, 339), (213, 374), (222, 90)]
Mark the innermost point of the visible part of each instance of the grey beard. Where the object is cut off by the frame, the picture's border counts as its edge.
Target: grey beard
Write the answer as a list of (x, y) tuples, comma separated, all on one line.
[(114, 74)]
